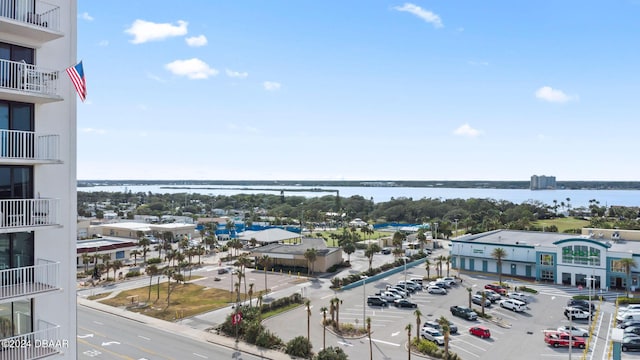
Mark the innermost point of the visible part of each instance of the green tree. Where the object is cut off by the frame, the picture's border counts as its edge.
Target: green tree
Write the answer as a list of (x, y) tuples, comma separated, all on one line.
[(372, 249), (499, 254), (116, 265), (418, 315), (144, 243), (331, 353), (324, 310), (368, 321), (135, 254), (299, 346), (427, 265), (446, 329), (349, 248), (265, 261), (628, 264), (408, 328), (151, 270), (311, 255)]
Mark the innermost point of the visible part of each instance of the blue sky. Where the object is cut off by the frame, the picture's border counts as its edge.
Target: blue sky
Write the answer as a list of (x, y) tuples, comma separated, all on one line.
[(359, 90)]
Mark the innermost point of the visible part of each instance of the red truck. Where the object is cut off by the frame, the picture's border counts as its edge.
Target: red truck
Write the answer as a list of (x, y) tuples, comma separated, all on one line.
[(558, 339)]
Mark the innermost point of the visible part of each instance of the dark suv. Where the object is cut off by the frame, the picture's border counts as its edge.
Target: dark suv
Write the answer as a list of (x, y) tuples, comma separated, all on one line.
[(376, 301), (582, 305)]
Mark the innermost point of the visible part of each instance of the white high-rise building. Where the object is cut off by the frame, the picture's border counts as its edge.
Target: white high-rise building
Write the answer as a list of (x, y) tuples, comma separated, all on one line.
[(37, 179)]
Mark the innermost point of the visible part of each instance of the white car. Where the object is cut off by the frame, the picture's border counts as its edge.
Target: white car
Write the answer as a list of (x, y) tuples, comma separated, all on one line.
[(477, 299), (574, 331), (389, 296), (518, 296), (513, 304), (432, 334), (629, 307), (449, 280), (436, 290)]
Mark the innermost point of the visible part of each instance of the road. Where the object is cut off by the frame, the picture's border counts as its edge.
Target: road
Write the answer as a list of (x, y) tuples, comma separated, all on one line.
[(105, 336)]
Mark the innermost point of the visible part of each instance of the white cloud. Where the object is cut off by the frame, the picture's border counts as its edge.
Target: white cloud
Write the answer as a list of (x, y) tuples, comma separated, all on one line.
[(94, 131), (192, 68), (271, 85), (547, 93), (196, 41), (144, 31), (423, 14), (103, 43), (85, 16), (467, 131), (236, 74)]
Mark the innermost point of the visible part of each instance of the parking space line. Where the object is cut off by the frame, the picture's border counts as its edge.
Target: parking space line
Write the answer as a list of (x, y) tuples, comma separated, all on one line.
[(463, 349), (468, 343), (384, 342)]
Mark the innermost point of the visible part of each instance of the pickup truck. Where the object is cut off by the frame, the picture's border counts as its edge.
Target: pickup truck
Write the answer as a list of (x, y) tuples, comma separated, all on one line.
[(558, 339), (463, 312)]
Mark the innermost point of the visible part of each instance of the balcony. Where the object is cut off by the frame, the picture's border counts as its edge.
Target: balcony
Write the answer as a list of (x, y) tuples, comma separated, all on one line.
[(41, 343), (24, 82), (34, 22), (28, 147), (29, 281), (28, 214)]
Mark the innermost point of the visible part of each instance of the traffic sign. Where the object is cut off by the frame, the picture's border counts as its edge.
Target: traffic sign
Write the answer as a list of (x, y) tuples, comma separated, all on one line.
[(236, 318)]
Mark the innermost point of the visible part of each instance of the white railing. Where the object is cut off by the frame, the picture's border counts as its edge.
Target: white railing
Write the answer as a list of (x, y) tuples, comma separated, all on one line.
[(21, 213), (29, 280), (15, 144), (38, 13), (33, 345), (18, 75)]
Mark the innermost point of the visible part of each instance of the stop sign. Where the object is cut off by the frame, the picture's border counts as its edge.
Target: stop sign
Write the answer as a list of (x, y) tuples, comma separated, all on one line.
[(236, 318)]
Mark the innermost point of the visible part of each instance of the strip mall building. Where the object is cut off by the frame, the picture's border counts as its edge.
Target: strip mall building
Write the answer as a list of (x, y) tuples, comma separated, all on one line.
[(568, 259)]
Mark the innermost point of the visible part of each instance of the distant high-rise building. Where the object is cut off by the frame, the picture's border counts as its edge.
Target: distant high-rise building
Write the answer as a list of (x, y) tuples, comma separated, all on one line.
[(37, 179), (542, 182)]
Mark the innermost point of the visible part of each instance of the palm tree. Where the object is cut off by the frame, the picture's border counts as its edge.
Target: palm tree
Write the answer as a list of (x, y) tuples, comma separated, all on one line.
[(265, 261), (135, 254), (337, 307), (368, 321), (324, 310), (349, 248), (444, 322), (311, 255), (371, 250), (418, 314), (307, 303), (259, 305), (499, 254), (469, 290), (116, 265), (427, 265), (408, 328), (484, 300), (144, 243), (169, 272), (439, 260), (151, 270), (86, 259), (422, 238), (250, 293), (448, 261), (243, 261), (628, 264)]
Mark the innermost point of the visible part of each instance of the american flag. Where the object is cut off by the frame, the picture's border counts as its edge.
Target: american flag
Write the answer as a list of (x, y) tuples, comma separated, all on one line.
[(76, 73)]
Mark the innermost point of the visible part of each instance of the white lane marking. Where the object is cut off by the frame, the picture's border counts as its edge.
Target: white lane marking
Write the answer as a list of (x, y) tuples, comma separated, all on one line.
[(346, 343), (97, 322), (468, 343), (395, 333), (326, 296), (198, 355), (384, 342), (110, 343), (144, 337), (462, 349), (85, 336)]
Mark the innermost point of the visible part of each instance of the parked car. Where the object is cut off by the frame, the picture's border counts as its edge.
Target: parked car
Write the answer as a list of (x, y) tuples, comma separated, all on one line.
[(453, 329), (558, 339), (632, 330), (573, 313), (477, 299), (463, 312), (629, 307), (628, 316), (404, 303), (629, 323), (413, 287), (448, 280), (432, 334), (436, 290), (518, 296), (497, 288), (389, 296), (574, 330), (416, 280), (630, 343), (385, 251), (222, 271), (582, 304), (480, 331), (400, 293), (489, 294), (442, 284), (513, 304), (376, 301)]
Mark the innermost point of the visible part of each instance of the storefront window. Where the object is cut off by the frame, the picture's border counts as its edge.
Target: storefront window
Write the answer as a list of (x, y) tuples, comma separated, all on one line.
[(546, 275), (581, 254), (546, 259), (617, 266)]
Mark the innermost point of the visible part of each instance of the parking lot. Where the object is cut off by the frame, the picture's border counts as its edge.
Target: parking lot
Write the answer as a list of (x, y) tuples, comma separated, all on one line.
[(519, 335)]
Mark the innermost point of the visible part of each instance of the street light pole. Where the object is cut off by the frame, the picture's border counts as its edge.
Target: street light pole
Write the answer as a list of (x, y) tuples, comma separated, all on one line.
[(364, 299)]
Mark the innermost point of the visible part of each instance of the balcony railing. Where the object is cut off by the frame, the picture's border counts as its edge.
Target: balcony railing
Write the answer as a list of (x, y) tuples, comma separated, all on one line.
[(28, 78), (27, 145), (43, 342), (22, 214), (29, 280), (34, 13)]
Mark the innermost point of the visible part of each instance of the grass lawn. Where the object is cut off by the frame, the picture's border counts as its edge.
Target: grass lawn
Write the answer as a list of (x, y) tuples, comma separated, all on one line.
[(186, 300), (563, 223)]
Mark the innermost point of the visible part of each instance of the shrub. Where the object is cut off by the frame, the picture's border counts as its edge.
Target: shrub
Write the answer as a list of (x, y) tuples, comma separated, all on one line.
[(252, 331), (299, 346), (268, 340), (527, 289), (152, 261), (331, 353), (132, 274)]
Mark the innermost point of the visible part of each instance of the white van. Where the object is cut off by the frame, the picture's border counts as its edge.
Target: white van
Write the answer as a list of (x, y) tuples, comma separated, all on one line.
[(518, 296), (513, 304), (629, 315)]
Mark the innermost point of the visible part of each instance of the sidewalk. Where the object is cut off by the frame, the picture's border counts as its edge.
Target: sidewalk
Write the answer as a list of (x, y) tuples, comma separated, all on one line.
[(186, 331)]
